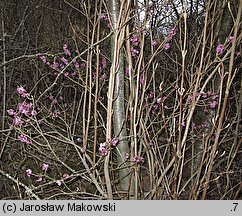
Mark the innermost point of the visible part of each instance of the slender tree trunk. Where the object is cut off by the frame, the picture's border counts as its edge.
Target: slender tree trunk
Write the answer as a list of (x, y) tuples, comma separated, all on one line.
[(119, 116)]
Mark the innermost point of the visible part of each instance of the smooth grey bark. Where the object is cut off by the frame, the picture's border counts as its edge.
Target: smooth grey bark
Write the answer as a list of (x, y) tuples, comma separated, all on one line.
[(119, 116)]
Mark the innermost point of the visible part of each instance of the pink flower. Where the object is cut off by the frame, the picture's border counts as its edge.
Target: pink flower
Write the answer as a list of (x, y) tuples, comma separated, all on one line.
[(60, 98), (28, 172), (24, 108), (73, 74), (27, 121), (65, 176), (104, 62), (155, 108), (62, 65), (213, 104), (134, 52), (76, 64), (58, 182), (39, 179), (142, 80), (154, 43), (53, 100), (66, 51), (204, 125), (22, 138), (66, 74), (43, 59), (127, 72), (83, 65), (45, 167), (22, 91), (230, 39), (159, 100), (190, 98), (114, 142), (64, 60), (78, 139), (55, 114), (11, 112), (17, 121), (103, 149), (151, 95), (55, 66), (171, 34), (33, 113), (126, 155), (135, 40), (138, 159), (51, 97), (104, 16), (41, 121), (220, 49), (166, 46)]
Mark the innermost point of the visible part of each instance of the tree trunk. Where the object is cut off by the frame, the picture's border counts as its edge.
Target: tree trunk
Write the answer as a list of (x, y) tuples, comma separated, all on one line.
[(118, 99)]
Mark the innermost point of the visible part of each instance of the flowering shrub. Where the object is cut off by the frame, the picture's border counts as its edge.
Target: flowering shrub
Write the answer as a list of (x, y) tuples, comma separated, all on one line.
[(179, 117)]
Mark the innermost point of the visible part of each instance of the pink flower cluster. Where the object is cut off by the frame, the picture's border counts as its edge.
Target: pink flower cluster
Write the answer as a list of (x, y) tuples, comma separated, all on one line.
[(135, 40), (166, 46), (134, 51), (104, 62), (22, 138), (45, 167), (62, 61), (104, 16), (158, 103), (29, 172), (103, 147), (66, 50), (138, 159), (127, 72), (25, 108), (17, 121), (114, 142), (23, 93), (102, 66), (60, 182), (135, 43), (201, 126), (171, 34), (220, 49), (169, 38), (40, 178), (211, 97), (103, 151), (153, 42)]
